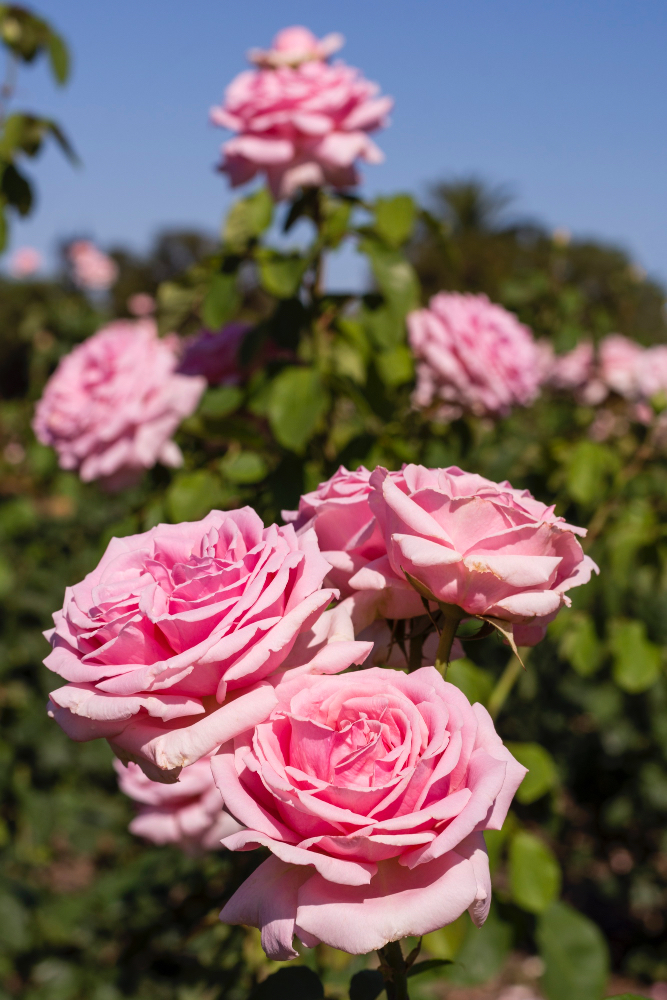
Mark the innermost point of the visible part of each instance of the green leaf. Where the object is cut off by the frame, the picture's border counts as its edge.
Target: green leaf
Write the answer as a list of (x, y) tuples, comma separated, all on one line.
[(366, 985), (16, 189), (296, 403), (534, 873), (295, 983), (475, 682), (428, 965), (637, 661), (385, 329), (542, 775), (221, 301), (396, 366), (280, 275), (193, 494), (395, 277), (482, 954), (589, 464), (575, 954), (247, 219), (220, 402), (580, 645), (395, 219), (336, 220), (58, 57), (244, 467), (175, 303), (627, 996)]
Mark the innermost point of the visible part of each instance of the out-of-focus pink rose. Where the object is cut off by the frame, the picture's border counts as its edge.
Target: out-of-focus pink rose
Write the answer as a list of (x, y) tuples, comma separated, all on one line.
[(573, 369), (371, 790), (619, 360), (293, 46), (141, 304), (91, 268), (113, 403), (24, 262), (188, 813), (485, 547), (304, 123), (162, 641), (215, 355), (472, 356)]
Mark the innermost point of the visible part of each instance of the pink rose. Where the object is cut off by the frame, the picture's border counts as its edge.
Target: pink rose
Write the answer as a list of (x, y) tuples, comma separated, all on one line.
[(293, 46), (113, 403), (91, 268), (24, 262), (485, 547), (165, 643), (472, 356), (304, 123), (215, 355), (188, 813), (573, 369), (620, 359), (141, 304), (382, 782)]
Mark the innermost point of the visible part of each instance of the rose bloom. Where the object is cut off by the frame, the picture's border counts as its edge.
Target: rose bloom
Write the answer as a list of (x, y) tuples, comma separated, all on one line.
[(215, 355), (472, 356), (572, 369), (371, 790), (302, 122), (92, 269), (113, 403), (293, 46), (188, 813), (24, 262), (141, 304), (162, 642), (485, 547)]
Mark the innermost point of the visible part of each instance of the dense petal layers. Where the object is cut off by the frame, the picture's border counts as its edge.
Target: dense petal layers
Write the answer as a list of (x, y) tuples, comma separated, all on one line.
[(113, 404), (472, 356), (167, 643), (298, 119), (371, 791)]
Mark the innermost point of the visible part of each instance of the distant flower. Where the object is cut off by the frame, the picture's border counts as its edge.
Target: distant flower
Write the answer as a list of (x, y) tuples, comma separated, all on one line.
[(215, 355), (24, 262), (472, 356), (573, 369), (91, 268), (113, 403), (141, 304), (293, 46), (299, 120), (188, 813)]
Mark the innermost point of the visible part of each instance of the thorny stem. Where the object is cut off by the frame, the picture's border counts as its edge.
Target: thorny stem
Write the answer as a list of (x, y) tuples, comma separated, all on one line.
[(506, 682), (451, 617), (393, 969)]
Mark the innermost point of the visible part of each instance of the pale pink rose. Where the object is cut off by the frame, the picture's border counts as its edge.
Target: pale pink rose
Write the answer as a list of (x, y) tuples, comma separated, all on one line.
[(573, 369), (141, 304), (24, 262), (293, 46), (162, 642), (215, 355), (619, 361), (113, 404), (91, 268), (652, 372), (485, 547), (371, 790), (188, 813), (472, 356), (303, 124)]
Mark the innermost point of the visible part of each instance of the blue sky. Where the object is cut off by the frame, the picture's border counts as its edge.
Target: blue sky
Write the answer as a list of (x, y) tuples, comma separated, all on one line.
[(564, 101)]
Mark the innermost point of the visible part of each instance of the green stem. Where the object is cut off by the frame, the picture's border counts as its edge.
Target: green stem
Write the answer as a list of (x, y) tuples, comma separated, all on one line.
[(451, 617), (392, 966), (507, 680)]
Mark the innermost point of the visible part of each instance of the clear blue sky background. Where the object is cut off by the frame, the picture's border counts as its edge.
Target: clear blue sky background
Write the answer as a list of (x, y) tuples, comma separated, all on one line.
[(563, 99)]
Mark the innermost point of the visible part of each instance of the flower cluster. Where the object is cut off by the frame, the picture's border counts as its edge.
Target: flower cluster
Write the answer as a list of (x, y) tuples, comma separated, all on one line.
[(472, 356), (211, 651), (113, 404), (299, 120)]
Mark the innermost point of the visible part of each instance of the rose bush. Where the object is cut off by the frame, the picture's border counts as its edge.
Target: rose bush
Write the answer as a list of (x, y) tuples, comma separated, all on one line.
[(188, 813), (160, 642), (112, 404), (303, 123), (472, 356), (380, 781)]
